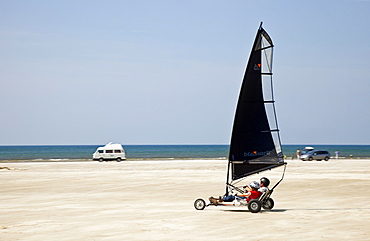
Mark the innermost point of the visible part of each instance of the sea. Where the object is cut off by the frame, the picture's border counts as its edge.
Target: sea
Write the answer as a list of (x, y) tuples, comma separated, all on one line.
[(55, 153)]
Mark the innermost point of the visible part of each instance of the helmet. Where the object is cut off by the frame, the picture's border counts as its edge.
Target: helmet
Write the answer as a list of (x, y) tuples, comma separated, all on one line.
[(254, 184), (265, 181)]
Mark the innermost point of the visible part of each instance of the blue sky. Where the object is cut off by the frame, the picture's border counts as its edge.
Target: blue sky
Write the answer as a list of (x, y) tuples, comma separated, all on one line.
[(169, 72)]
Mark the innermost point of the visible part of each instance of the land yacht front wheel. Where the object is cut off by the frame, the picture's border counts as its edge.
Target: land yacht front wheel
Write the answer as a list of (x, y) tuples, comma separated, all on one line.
[(199, 204)]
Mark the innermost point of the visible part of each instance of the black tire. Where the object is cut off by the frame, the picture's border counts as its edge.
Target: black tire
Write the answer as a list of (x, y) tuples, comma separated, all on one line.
[(326, 158), (199, 204), (119, 159), (269, 204), (101, 159), (254, 206), (310, 158)]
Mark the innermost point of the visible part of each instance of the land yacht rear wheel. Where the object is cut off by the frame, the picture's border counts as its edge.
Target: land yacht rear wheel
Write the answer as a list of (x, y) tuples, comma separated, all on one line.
[(254, 206), (269, 204)]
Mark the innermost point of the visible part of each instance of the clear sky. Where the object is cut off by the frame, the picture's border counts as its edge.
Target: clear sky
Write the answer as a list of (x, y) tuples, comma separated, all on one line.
[(169, 71)]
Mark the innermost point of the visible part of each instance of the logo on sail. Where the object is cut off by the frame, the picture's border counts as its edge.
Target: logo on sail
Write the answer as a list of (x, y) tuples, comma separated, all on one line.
[(257, 66), (256, 153)]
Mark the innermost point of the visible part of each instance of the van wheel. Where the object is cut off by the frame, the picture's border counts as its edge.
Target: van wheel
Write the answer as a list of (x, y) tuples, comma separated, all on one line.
[(101, 159), (119, 159)]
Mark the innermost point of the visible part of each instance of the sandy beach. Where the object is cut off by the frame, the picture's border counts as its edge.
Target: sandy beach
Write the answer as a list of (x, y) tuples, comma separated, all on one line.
[(153, 200)]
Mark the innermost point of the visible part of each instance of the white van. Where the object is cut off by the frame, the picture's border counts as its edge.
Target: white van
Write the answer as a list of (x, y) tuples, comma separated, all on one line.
[(110, 152)]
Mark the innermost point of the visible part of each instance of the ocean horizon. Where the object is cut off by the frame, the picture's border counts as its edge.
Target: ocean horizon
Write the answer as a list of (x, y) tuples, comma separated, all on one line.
[(78, 152)]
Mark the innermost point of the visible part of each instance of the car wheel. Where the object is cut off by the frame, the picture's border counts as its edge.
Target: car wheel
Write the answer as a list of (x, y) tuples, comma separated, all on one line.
[(310, 158), (326, 158)]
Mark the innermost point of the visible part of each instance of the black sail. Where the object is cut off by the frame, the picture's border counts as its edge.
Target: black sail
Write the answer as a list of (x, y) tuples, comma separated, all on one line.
[(255, 142)]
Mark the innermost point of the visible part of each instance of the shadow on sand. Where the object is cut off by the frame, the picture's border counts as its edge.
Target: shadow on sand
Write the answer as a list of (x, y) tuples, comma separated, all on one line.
[(298, 209), (262, 211)]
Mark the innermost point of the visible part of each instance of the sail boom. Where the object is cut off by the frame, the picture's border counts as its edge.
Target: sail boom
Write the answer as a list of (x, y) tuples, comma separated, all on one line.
[(257, 162), (261, 168)]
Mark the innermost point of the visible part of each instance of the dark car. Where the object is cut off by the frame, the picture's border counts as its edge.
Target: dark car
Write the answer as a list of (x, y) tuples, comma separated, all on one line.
[(315, 155)]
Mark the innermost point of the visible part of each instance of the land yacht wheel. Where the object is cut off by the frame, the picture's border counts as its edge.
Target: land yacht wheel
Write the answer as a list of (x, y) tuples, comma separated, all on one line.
[(254, 206), (118, 159), (199, 204), (269, 204), (101, 159)]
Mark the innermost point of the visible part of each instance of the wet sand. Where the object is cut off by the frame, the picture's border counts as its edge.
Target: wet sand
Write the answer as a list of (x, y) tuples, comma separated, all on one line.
[(153, 200)]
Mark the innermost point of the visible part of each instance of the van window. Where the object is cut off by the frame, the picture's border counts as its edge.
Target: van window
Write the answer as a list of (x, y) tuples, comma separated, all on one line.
[(109, 151), (117, 151), (100, 151)]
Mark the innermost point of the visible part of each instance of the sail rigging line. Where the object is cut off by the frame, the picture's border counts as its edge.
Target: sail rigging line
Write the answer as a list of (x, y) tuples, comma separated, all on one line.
[(236, 188)]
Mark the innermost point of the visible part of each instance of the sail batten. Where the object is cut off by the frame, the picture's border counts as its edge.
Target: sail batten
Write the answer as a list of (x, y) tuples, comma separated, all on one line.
[(264, 101), (271, 46), (255, 141)]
